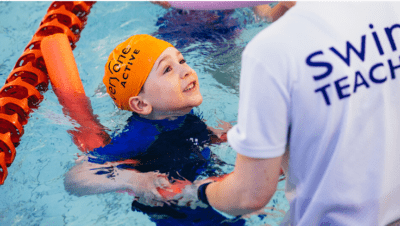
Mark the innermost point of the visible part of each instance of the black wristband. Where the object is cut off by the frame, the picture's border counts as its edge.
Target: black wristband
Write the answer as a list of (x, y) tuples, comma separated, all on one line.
[(201, 193)]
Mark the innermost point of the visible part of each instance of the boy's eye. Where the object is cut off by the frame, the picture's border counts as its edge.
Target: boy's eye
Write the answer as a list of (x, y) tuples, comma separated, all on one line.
[(182, 61), (168, 69)]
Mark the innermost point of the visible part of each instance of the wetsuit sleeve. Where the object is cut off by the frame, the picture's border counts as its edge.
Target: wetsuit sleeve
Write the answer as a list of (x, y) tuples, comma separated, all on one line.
[(125, 145), (263, 116)]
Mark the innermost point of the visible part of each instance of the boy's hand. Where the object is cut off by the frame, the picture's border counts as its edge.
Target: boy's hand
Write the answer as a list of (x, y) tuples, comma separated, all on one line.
[(220, 131), (144, 186)]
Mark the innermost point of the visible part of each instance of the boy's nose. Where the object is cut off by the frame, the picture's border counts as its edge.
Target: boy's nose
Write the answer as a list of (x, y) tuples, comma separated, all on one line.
[(186, 71)]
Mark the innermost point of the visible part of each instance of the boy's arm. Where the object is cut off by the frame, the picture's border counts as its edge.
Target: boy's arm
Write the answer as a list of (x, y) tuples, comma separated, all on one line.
[(87, 178), (219, 133)]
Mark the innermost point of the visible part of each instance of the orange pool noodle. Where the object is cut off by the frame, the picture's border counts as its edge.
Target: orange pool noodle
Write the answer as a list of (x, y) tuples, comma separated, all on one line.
[(68, 87), (60, 63)]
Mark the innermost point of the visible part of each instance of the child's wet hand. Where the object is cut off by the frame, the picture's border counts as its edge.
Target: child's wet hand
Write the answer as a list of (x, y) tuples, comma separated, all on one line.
[(225, 126), (162, 182), (221, 131), (146, 185)]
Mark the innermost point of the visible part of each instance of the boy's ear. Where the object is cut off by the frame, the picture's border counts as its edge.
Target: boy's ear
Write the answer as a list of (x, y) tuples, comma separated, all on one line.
[(139, 105)]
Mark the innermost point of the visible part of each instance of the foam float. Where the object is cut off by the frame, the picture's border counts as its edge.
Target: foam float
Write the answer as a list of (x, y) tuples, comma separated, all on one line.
[(68, 87)]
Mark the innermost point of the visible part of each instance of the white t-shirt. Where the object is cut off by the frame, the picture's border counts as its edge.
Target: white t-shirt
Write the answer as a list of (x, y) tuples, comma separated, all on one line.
[(330, 70)]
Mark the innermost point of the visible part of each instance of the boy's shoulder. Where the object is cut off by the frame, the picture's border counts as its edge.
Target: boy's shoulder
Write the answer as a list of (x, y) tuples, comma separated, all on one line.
[(140, 133), (136, 122)]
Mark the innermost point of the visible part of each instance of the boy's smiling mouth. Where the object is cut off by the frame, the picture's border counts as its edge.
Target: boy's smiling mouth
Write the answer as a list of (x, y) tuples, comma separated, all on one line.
[(189, 87)]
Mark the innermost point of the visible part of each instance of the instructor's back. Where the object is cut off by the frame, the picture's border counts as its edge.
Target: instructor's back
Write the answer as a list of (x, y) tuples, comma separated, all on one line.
[(331, 72)]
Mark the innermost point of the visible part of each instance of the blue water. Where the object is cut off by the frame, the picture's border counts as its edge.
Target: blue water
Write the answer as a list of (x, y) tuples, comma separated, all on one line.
[(33, 193)]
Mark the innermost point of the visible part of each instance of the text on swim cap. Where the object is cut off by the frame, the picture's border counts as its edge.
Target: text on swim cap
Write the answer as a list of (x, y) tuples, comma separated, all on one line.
[(117, 67), (377, 73)]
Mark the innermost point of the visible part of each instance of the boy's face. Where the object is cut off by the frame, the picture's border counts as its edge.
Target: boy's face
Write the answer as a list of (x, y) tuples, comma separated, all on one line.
[(172, 87)]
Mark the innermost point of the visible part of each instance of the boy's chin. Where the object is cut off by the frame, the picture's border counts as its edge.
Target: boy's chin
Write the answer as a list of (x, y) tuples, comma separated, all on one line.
[(197, 101), (187, 109)]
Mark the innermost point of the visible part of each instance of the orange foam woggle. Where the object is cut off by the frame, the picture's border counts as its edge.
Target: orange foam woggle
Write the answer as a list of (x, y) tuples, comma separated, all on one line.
[(60, 63), (68, 87)]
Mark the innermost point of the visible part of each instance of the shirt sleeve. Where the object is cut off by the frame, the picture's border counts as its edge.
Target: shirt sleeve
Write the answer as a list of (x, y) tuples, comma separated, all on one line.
[(128, 144), (263, 115)]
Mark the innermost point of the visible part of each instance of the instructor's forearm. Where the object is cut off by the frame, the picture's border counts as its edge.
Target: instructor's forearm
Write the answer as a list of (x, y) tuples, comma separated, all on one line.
[(231, 199), (248, 189)]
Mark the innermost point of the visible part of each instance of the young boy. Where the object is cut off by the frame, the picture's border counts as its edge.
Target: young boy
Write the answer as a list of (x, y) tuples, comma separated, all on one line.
[(163, 140)]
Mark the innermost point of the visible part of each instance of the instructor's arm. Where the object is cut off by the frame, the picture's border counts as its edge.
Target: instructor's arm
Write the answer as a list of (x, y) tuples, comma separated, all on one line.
[(248, 188)]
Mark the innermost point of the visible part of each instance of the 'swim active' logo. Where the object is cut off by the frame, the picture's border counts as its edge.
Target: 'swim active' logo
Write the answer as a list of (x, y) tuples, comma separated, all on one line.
[(342, 85), (116, 68)]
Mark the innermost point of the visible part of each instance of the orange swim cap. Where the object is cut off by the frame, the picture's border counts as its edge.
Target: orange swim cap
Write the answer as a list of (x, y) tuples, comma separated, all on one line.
[(128, 66)]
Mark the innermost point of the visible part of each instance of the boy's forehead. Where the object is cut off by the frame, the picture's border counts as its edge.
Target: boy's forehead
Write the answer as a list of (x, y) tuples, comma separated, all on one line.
[(168, 53), (171, 51)]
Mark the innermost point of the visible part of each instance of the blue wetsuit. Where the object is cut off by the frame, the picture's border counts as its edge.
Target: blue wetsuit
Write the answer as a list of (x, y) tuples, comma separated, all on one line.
[(174, 147)]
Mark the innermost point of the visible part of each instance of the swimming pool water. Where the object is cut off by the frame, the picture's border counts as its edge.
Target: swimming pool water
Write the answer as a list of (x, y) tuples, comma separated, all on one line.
[(33, 193)]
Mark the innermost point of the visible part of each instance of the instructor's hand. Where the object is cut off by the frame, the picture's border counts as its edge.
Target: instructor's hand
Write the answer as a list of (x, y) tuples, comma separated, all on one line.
[(188, 196)]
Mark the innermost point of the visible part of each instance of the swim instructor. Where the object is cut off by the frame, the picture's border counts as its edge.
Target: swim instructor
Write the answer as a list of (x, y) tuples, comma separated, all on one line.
[(328, 74)]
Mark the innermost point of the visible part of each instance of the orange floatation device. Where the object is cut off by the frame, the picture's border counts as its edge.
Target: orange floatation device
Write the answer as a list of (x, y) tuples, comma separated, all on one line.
[(68, 87), (27, 81)]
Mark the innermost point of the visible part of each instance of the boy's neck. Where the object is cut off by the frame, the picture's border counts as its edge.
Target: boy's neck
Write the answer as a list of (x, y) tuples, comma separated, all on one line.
[(173, 115), (149, 117)]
